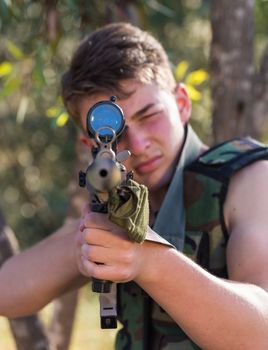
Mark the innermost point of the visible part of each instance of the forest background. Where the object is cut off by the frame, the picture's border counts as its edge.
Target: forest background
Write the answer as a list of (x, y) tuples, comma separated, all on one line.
[(39, 153)]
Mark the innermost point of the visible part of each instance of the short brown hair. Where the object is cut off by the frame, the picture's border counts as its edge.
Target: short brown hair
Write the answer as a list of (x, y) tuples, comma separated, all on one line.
[(111, 54)]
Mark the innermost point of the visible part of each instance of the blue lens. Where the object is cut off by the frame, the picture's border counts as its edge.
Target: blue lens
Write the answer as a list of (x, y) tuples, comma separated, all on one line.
[(105, 115)]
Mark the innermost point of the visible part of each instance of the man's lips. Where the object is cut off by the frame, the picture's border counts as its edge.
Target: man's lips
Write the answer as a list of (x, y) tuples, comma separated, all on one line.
[(148, 165)]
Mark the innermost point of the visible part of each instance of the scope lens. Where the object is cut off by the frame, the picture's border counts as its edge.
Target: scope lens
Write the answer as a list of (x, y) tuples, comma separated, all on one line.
[(103, 117)]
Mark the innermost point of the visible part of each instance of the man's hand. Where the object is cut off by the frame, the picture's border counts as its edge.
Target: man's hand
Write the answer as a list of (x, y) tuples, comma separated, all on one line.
[(105, 252)]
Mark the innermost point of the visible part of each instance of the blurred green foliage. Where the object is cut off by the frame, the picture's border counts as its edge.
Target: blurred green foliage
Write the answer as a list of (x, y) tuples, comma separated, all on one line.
[(37, 40), (37, 139), (261, 28)]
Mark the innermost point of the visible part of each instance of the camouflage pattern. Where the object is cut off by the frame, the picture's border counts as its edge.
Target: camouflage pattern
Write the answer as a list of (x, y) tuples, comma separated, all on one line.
[(131, 301), (204, 239), (205, 186)]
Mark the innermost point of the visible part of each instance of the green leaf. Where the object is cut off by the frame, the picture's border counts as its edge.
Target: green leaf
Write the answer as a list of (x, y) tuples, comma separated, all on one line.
[(53, 112), (5, 68), (62, 119), (196, 77), (38, 75), (10, 86), (181, 70), (14, 50)]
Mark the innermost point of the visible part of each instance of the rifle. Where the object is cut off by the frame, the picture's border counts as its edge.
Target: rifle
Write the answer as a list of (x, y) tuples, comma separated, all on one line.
[(105, 123)]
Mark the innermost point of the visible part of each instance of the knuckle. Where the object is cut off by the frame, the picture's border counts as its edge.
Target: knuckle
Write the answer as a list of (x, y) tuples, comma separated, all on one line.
[(86, 268), (91, 254), (84, 250), (87, 235), (96, 271), (77, 240)]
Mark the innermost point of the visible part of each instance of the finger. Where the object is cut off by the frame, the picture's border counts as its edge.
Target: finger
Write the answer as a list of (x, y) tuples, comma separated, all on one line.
[(88, 267), (94, 236), (81, 267), (100, 237), (85, 211), (96, 254), (79, 263), (103, 255), (126, 258), (106, 272), (98, 220), (81, 225)]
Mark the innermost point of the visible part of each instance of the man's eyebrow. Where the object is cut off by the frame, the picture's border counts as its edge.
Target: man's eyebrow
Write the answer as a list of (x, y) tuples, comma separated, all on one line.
[(144, 109)]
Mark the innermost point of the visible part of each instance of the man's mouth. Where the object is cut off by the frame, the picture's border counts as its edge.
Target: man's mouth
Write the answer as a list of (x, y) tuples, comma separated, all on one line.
[(148, 165)]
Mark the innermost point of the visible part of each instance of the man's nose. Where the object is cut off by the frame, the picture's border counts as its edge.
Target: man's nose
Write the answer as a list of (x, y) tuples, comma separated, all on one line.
[(137, 140)]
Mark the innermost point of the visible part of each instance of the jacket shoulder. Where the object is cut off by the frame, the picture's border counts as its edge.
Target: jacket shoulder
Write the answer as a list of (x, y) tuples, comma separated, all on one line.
[(223, 160)]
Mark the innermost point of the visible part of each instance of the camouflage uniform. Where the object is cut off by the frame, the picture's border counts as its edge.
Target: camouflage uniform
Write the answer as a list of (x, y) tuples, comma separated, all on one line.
[(199, 186)]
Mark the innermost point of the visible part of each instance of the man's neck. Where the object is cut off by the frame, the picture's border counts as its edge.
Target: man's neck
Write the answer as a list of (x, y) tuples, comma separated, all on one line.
[(156, 197)]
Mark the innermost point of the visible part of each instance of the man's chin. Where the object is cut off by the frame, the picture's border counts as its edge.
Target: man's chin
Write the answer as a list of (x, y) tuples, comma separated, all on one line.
[(154, 185)]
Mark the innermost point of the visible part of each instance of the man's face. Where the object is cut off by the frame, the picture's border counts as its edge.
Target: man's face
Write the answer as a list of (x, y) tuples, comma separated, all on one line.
[(155, 132)]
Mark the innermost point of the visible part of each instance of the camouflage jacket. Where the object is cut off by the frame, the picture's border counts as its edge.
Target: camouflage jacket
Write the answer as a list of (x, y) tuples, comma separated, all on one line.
[(205, 183)]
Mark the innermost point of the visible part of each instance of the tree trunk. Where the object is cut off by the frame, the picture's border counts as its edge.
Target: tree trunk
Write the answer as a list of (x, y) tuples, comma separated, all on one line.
[(60, 331), (232, 69), (65, 307), (261, 96), (239, 90), (28, 332)]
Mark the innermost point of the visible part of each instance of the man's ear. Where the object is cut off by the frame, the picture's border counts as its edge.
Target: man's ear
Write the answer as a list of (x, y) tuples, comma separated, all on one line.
[(183, 102)]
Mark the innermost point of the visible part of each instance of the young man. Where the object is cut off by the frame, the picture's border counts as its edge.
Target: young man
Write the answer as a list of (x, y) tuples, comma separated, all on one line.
[(170, 298)]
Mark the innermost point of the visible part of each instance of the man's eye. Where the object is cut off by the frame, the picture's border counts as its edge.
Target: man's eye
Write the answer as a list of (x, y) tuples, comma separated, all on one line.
[(151, 114)]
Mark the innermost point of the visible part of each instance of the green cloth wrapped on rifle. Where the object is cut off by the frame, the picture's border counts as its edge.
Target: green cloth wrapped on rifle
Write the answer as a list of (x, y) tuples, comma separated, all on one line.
[(128, 207)]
